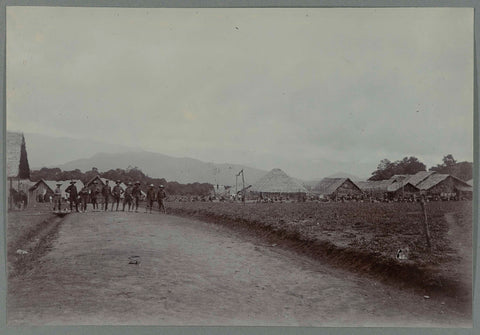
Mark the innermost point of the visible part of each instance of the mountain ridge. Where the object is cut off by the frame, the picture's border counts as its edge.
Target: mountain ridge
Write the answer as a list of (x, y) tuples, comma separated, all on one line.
[(179, 169)]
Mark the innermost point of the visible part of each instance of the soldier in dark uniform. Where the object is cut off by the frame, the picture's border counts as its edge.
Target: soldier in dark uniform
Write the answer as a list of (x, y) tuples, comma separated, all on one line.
[(150, 198), (73, 195), (161, 195), (94, 195), (117, 193), (106, 190), (136, 193), (84, 193), (128, 197)]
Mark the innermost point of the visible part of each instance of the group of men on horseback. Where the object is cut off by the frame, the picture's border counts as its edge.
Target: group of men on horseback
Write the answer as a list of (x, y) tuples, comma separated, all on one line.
[(131, 196)]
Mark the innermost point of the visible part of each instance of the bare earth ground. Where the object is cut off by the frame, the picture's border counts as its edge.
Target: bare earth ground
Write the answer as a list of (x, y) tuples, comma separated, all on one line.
[(196, 273)]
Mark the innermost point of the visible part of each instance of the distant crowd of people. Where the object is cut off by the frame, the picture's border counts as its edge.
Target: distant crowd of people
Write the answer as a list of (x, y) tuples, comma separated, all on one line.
[(130, 197)]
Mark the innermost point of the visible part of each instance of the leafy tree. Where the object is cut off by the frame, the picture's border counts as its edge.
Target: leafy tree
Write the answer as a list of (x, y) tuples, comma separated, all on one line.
[(386, 169), (448, 160), (461, 170)]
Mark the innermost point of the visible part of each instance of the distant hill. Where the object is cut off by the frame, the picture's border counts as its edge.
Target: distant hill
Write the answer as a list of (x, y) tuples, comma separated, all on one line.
[(182, 170), (44, 150)]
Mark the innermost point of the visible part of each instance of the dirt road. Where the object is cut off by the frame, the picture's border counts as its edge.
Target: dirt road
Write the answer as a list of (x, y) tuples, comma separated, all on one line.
[(196, 273)]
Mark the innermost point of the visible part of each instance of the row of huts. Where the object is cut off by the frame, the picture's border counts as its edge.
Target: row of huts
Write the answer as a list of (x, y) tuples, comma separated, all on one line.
[(278, 184), (43, 190)]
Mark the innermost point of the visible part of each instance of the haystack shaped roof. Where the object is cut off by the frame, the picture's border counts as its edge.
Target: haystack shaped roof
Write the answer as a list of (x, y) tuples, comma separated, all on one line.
[(331, 185), (13, 144), (277, 181), (470, 182)]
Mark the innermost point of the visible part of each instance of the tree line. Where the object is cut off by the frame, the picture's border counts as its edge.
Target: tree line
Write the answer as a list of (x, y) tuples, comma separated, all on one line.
[(125, 175), (411, 165)]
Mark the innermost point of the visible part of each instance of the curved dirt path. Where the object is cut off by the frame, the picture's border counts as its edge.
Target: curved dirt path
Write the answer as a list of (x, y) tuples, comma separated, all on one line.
[(196, 273)]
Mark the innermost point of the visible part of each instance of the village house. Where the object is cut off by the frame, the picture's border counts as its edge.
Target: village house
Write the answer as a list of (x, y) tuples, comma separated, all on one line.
[(276, 184), (429, 183), (335, 188), (42, 190), (396, 187), (445, 186)]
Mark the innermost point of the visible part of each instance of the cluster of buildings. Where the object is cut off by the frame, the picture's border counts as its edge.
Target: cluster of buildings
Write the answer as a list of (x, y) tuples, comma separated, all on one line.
[(435, 186)]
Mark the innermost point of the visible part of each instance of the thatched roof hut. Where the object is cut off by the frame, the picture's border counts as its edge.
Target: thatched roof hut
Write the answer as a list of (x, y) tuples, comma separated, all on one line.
[(336, 187), (277, 181), (438, 183), (49, 186), (374, 186), (418, 177)]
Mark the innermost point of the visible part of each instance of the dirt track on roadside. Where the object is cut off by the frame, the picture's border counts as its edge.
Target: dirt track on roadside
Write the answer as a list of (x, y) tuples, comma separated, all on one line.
[(196, 273)]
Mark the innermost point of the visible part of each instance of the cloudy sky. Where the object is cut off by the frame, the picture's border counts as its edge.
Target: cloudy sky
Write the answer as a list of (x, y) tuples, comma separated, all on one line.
[(311, 91)]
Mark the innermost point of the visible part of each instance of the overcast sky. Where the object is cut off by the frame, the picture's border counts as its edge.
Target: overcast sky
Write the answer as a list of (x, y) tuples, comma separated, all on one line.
[(311, 91)]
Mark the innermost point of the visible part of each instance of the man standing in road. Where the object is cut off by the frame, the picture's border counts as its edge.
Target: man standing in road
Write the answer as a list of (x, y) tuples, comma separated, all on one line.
[(84, 193), (94, 193), (161, 195), (117, 193), (150, 198), (106, 190), (128, 197), (57, 198), (73, 195), (136, 193)]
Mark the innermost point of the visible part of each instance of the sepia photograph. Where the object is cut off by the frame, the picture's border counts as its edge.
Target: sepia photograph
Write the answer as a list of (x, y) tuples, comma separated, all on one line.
[(306, 167)]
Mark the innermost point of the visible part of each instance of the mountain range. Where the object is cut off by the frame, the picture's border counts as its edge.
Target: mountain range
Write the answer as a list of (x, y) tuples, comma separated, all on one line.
[(64, 152), (182, 170)]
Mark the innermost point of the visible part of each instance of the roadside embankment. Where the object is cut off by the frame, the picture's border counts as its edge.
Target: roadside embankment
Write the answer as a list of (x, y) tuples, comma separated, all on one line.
[(361, 237), (30, 234)]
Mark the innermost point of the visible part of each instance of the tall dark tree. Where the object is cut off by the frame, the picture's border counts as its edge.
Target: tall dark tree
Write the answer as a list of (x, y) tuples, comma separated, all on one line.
[(23, 166), (409, 165)]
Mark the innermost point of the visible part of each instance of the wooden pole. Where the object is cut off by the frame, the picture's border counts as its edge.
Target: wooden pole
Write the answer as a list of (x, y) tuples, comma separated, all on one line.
[(10, 200), (243, 188), (426, 230)]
